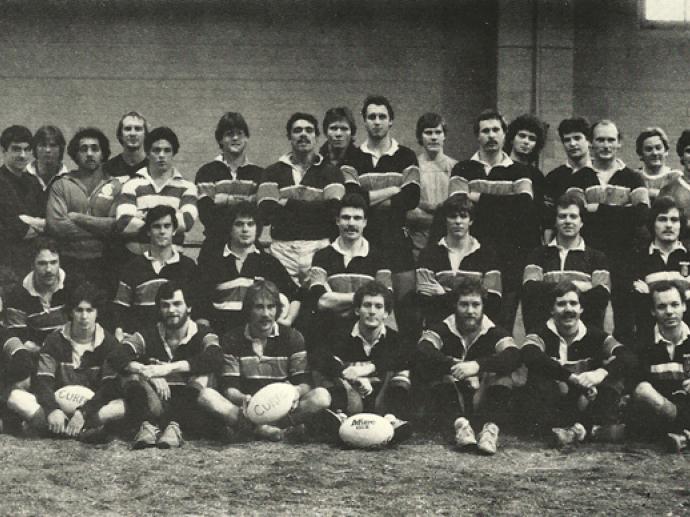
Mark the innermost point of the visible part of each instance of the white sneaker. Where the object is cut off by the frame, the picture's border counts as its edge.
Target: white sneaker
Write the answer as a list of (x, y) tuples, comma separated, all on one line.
[(464, 435), (488, 439)]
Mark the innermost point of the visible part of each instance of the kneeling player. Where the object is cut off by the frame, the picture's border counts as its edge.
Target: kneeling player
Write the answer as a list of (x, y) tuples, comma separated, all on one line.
[(576, 373), (365, 365), (464, 363), (164, 368), (72, 355), (259, 353), (663, 397)]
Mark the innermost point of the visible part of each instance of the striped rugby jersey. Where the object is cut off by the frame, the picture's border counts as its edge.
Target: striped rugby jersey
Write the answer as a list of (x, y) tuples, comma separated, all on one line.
[(664, 364)]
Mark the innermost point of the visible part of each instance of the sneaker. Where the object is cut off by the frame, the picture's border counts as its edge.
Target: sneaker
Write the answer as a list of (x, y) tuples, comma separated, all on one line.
[(269, 432), (562, 436), (171, 438), (147, 436), (612, 433), (676, 442), (464, 435), (402, 430), (488, 439)]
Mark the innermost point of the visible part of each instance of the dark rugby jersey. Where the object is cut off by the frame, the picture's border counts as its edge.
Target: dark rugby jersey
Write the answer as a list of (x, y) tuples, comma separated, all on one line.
[(283, 359), (117, 167), (16, 361), (651, 267), (582, 264), (664, 372), (556, 183)]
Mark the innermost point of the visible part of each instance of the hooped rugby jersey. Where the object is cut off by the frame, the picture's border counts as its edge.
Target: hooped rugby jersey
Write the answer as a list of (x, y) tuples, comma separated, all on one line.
[(664, 364)]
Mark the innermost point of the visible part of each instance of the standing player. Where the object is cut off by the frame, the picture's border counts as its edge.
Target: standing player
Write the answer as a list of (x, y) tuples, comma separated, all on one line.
[(683, 151), (434, 174), (298, 196), (226, 181), (160, 183), (131, 133), (340, 130), (525, 139), (679, 189), (49, 148), (388, 175), (652, 147)]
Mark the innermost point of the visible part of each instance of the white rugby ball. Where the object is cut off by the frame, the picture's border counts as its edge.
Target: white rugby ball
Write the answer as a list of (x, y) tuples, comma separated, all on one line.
[(366, 431), (271, 403), (71, 397)]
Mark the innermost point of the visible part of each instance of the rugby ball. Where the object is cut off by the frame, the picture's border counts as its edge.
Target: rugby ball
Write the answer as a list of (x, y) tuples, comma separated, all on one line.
[(366, 431), (271, 403), (71, 397)]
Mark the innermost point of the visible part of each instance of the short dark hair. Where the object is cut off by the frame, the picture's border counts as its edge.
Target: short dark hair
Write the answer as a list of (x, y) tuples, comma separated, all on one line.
[(121, 125), (529, 123), (662, 286), (648, 133), (302, 116), (257, 290), (606, 122), (661, 205), (44, 243), (88, 132), (561, 289), (44, 134), (167, 290), (247, 210), (489, 114), (469, 285), (161, 133), (231, 120), (458, 204), (575, 125), (159, 212), (429, 120), (16, 134), (373, 288), (85, 292), (354, 200), (338, 114), (377, 100), (569, 199), (683, 142)]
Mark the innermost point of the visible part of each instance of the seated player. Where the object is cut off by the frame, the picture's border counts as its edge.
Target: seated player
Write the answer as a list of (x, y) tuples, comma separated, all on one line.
[(73, 355), (340, 269), (159, 183), (662, 399), (576, 373), (365, 366), (566, 257), (35, 308), (141, 277), (163, 368), (464, 365), (652, 147), (457, 255), (18, 361), (257, 353), (666, 258), (225, 181), (227, 274)]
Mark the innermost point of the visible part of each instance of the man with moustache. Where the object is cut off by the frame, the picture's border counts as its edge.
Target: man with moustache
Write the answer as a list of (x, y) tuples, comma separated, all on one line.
[(131, 132), (576, 374), (507, 206), (164, 367), (226, 181), (340, 130), (298, 196), (464, 364), (80, 210)]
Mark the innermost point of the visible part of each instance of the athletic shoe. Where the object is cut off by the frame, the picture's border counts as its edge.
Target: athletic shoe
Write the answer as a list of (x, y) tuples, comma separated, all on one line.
[(464, 435), (612, 433), (487, 442), (171, 438), (147, 436), (269, 432), (676, 442), (562, 436), (402, 430)]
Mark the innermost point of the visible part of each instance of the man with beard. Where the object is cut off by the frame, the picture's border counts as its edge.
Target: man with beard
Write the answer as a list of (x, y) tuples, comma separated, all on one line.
[(464, 364), (226, 181), (298, 196), (131, 132), (576, 374), (164, 367), (80, 210), (340, 130), (35, 308), (507, 204), (159, 183)]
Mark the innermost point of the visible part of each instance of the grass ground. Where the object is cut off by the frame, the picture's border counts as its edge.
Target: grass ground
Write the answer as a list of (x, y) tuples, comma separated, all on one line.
[(424, 476)]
